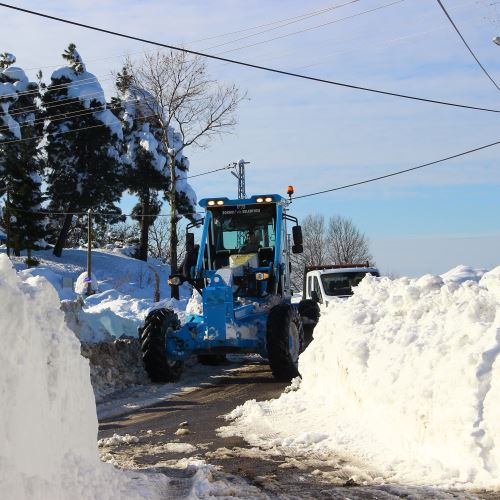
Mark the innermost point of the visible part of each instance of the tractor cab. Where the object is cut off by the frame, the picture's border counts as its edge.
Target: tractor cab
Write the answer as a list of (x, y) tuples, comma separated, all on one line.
[(244, 242)]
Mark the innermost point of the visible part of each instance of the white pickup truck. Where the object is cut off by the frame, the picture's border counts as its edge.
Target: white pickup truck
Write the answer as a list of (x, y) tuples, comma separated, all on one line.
[(323, 283)]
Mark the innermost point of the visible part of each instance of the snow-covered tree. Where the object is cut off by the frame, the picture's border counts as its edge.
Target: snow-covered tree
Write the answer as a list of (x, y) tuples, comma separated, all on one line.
[(83, 145), (20, 163), (145, 157), (9, 128)]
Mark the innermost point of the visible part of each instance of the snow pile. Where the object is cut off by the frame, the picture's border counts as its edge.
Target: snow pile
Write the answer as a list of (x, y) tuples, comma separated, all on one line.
[(114, 365), (117, 439), (404, 376), (48, 424), (82, 282)]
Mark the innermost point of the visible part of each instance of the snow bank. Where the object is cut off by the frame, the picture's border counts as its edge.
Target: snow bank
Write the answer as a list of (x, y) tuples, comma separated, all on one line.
[(126, 290), (48, 424), (404, 376)]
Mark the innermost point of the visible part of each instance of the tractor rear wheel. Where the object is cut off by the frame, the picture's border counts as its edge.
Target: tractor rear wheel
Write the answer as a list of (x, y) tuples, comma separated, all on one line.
[(310, 313), (154, 353), (285, 340)]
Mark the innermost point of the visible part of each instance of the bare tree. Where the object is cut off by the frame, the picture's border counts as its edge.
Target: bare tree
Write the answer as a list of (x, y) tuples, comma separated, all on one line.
[(339, 242), (345, 243), (159, 240), (198, 108), (313, 234)]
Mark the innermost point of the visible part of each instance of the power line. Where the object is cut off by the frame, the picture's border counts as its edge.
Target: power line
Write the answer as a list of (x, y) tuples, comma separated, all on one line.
[(246, 64), (68, 115), (83, 81), (467, 45), (227, 167), (399, 171), (301, 17), (293, 20), (303, 30), (283, 25), (99, 214)]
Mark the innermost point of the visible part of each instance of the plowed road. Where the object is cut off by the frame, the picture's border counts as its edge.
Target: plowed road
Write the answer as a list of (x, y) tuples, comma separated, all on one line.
[(274, 476)]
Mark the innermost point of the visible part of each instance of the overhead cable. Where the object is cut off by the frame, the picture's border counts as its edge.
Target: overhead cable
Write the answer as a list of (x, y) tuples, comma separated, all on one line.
[(298, 18), (467, 45), (246, 64), (399, 172), (286, 35)]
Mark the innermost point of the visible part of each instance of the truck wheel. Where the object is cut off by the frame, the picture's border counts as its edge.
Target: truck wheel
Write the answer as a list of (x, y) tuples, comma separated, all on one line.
[(310, 312), (154, 353), (212, 359), (285, 338)]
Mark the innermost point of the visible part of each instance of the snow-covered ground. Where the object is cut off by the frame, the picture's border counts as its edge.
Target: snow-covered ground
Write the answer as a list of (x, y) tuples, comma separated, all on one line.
[(401, 382), (125, 289)]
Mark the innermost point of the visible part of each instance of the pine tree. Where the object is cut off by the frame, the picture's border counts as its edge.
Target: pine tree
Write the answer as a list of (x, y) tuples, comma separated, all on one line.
[(145, 158), (83, 145), (21, 161)]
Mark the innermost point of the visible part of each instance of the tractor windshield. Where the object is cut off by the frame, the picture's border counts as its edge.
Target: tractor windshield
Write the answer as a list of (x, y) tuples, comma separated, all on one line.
[(242, 230)]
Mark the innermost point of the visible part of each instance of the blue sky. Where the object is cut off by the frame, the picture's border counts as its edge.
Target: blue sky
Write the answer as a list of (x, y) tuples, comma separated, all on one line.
[(317, 136)]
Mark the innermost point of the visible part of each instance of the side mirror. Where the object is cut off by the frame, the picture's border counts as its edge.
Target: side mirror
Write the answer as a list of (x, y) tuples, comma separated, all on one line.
[(314, 295), (297, 236), (189, 243), (297, 248)]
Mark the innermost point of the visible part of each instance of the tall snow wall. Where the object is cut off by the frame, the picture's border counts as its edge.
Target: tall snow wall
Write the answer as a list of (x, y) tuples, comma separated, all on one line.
[(404, 376), (48, 423)]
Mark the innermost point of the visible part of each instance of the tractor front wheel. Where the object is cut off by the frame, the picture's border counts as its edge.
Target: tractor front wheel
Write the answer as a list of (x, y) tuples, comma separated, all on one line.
[(158, 324), (285, 340)]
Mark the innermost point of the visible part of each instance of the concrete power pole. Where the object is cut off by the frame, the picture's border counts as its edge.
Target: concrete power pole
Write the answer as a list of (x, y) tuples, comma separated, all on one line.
[(240, 175)]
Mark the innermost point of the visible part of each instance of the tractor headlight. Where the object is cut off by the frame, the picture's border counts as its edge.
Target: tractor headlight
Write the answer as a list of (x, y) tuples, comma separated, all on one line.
[(261, 276), (211, 203), (260, 200), (220, 202), (268, 199)]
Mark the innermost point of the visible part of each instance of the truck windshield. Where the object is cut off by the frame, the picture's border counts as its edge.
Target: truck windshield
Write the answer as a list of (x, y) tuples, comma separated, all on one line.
[(342, 283), (244, 229)]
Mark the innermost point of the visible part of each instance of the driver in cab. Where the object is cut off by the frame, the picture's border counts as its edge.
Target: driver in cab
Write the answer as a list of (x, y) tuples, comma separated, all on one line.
[(253, 242)]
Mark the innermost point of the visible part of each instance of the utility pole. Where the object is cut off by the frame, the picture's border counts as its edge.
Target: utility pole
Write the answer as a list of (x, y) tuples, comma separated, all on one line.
[(240, 175), (89, 252), (7, 216)]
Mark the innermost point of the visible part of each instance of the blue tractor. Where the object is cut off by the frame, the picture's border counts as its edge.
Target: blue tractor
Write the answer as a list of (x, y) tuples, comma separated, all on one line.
[(241, 269)]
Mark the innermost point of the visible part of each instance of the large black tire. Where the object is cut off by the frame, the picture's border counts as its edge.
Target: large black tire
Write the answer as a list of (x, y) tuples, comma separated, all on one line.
[(154, 354), (212, 359), (285, 341), (310, 313)]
